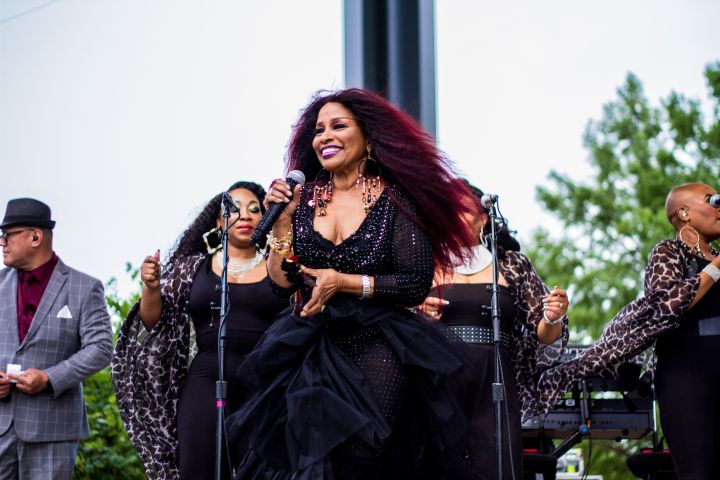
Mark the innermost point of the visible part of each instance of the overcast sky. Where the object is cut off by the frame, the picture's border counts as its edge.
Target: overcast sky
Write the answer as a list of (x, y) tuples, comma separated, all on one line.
[(126, 116)]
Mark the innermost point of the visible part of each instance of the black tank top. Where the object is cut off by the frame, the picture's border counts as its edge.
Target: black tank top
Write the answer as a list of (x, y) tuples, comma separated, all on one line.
[(253, 307), (703, 319), (470, 305)]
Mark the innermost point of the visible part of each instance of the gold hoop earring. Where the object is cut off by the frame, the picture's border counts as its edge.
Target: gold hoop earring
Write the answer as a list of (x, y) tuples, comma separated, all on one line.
[(212, 240), (371, 159), (694, 249)]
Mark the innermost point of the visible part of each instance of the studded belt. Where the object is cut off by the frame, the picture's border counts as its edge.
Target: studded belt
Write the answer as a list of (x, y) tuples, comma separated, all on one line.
[(479, 335)]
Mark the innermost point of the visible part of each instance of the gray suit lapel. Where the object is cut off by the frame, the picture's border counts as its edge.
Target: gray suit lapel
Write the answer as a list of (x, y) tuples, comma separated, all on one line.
[(57, 280), (8, 303)]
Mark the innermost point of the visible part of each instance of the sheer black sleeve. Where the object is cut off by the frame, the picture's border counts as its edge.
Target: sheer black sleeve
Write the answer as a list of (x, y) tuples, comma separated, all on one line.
[(412, 260)]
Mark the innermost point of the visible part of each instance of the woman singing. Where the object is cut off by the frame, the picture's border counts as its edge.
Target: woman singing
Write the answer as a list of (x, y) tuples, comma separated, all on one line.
[(169, 408), (680, 312), (351, 383), (531, 319)]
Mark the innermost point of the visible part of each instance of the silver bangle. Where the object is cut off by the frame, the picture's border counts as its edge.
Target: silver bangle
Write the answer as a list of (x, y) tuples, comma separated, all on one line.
[(551, 322), (365, 287), (712, 271)]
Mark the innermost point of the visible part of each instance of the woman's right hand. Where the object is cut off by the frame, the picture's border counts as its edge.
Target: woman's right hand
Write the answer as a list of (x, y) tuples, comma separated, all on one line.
[(280, 192), (150, 271), (432, 306)]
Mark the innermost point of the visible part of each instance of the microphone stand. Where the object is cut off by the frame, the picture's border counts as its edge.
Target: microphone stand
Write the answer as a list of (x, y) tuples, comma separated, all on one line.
[(221, 384), (498, 389)]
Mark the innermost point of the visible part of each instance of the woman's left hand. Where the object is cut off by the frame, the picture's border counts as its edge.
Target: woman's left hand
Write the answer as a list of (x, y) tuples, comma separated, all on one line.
[(556, 304), (327, 284)]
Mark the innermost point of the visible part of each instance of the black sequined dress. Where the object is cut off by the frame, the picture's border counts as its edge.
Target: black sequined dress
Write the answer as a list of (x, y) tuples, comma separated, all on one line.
[(359, 390)]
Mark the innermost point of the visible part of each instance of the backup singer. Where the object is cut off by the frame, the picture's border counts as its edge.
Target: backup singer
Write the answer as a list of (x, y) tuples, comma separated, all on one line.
[(169, 409), (532, 318), (681, 312), (352, 383)]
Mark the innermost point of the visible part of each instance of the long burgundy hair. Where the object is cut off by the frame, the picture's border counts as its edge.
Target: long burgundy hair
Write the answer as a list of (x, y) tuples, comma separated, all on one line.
[(408, 158)]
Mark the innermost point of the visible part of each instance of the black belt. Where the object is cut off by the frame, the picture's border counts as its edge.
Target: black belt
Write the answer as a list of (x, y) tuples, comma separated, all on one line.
[(480, 335)]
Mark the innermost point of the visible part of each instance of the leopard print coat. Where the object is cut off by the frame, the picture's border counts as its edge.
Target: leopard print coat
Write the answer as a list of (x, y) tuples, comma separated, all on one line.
[(530, 356), (149, 369), (671, 281)]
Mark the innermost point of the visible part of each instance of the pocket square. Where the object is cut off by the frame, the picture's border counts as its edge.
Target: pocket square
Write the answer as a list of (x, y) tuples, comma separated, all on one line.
[(64, 312)]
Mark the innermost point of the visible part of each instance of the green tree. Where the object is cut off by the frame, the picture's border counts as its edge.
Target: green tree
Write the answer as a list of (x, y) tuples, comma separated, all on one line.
[(107, 452), (638, 151)]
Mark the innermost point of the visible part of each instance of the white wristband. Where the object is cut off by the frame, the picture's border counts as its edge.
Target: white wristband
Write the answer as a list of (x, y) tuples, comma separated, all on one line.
[(365, 287), (712, 271), (550, 322)]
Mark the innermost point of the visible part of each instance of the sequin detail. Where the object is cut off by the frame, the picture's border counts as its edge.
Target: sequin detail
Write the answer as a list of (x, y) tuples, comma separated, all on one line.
[(385, 376), (388, 245)]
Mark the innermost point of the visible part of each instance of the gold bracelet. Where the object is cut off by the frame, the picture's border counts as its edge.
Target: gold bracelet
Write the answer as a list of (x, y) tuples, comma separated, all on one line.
[(283, 246)]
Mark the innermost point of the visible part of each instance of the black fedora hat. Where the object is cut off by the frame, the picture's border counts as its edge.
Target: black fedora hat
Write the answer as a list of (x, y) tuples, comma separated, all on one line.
[(27, 212)]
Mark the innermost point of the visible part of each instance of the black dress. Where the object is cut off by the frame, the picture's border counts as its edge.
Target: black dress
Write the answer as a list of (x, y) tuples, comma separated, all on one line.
[(687, 380), (253, 307), (468, 315), (359, 390)]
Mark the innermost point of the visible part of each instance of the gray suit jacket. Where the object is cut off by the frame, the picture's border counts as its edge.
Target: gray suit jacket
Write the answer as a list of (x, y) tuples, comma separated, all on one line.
[(67, 349)]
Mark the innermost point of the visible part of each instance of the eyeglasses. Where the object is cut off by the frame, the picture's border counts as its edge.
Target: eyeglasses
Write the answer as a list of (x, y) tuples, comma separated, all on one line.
[(6, 235)]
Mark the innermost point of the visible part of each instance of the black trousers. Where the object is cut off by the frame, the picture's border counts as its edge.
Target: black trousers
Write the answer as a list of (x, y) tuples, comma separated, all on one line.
[(687, 382)]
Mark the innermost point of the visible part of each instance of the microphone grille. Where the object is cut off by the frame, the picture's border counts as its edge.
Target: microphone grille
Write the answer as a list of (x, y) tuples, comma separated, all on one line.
[(715, 201), (297, 175), (488, 200)]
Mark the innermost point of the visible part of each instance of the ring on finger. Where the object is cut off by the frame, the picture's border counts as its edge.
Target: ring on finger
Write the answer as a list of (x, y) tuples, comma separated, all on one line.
[(322, 308)]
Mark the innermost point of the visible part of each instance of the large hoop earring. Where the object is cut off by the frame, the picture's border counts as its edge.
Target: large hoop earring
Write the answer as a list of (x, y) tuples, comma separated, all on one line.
[(483, 238), (694, 249), (370, 159), (212, 240)]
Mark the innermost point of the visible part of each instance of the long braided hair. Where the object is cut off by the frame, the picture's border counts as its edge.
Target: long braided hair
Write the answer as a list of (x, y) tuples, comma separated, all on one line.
[(190, 241)]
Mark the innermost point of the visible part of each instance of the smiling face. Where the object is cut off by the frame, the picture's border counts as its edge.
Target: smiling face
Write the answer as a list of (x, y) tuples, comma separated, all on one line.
[(339, 142), (249, 216)]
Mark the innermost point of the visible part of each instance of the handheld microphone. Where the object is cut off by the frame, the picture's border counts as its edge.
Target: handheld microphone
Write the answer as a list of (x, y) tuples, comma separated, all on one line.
[(295, 177), (488, 200), (715, 201), (229, 202)]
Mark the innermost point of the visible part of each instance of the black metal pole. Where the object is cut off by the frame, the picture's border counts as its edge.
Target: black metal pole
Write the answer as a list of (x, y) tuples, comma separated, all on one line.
[(498, 390), (221, 384)]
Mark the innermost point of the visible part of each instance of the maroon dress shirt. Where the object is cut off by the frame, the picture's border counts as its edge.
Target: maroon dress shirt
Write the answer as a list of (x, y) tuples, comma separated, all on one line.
[(31, 287)]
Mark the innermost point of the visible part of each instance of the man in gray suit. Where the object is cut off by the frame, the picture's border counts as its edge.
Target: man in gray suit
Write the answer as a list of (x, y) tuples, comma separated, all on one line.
[(54, 332)]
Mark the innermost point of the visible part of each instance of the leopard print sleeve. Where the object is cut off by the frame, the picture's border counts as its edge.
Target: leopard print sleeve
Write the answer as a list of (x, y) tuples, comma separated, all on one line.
[(669, 291), (530, 355), (668, 271), (148, 369)]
